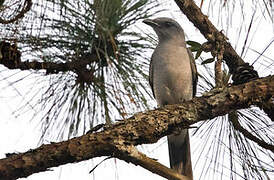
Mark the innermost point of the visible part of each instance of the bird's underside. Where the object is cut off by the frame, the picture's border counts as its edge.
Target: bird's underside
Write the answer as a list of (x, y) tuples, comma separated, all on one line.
[(173, 78)]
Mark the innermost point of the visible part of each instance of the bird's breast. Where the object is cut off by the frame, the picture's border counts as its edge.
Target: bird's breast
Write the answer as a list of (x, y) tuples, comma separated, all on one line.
[(172, 77)]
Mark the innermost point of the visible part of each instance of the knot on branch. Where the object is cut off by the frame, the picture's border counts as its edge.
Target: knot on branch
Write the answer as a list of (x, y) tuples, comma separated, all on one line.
[(215, 44), (244, 73)]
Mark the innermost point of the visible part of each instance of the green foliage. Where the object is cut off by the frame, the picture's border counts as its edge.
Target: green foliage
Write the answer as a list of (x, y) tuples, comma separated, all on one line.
[(113, 84), (195, 47), (66, 30)]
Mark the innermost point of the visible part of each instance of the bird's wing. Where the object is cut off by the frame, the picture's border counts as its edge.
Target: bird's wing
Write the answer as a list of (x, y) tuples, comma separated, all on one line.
[(194, 71), (151, 75)]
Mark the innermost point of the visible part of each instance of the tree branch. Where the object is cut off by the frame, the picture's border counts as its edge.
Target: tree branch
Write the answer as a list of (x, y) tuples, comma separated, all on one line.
[(268, 108), (235, 63), (131, 154), (10, 57), (237, 126), (241, 72), (142, 128)]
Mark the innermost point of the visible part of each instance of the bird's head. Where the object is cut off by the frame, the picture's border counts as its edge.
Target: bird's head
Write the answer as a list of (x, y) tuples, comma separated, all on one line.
[(166, 28)]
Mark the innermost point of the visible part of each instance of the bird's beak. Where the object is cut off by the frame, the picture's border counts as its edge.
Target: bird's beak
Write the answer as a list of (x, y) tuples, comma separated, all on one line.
[(151, 23)]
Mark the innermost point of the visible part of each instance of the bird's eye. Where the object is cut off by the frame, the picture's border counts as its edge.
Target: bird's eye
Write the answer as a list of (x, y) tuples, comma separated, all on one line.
[(168, 24)]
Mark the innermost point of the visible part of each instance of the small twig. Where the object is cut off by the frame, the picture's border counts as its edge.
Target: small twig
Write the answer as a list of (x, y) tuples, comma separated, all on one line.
[(96, 128), (220, 48), (218, 73), (99, 164), (250, 136), (131, 154)]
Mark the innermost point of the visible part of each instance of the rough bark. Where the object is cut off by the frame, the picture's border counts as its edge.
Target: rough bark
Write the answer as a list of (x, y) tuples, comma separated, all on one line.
[(210, 32), (142, 128), (11, 58), (241, 72)]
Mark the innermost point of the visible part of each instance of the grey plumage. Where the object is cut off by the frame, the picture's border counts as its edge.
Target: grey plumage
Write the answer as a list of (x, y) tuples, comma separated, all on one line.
[(173, 79)]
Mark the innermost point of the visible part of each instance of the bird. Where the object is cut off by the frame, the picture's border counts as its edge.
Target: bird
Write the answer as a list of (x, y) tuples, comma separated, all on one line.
[(173, 80)]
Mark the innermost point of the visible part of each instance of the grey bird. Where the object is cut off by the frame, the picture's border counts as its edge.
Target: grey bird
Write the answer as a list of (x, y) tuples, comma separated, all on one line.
[(173, 79)]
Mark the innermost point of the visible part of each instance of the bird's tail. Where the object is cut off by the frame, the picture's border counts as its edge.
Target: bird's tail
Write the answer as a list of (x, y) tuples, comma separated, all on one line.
[(179, 153)]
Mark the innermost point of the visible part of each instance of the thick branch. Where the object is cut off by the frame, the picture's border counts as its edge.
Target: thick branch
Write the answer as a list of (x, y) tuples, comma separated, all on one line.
[(241, 72), (147, 127), (10, 57), (234, 62)]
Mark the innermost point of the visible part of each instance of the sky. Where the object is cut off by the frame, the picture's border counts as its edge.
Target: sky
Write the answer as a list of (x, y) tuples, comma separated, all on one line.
[(18, 134)]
